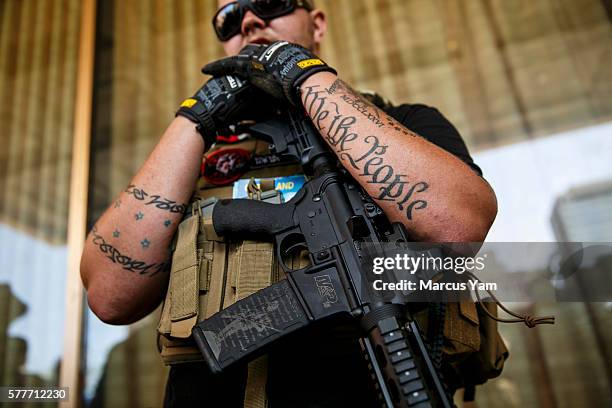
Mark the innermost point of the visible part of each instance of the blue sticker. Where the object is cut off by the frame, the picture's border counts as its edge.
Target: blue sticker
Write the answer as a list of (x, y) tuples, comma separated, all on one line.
[(287, 185)]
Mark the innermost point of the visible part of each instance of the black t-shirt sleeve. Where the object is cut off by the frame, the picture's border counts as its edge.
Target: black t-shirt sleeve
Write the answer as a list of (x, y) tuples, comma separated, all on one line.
[(429, 123)]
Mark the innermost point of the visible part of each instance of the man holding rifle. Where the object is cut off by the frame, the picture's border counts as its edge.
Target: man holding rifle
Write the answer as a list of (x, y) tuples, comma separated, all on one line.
[(409, 159)]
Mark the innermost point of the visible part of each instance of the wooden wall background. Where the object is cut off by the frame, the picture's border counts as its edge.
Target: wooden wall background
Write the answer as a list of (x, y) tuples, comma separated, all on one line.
[(38, 41), (38, 53), (502, 71)]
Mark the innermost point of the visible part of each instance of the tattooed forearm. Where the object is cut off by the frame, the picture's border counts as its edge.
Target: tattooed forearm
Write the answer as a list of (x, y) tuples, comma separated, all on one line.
[(361, 106), (356, 101), (156, 200), (365, 107), (125, 261), (372, 167)]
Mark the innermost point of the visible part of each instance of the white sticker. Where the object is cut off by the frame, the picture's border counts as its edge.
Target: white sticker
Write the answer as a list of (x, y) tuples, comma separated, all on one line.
[(268, 54), (233, 81), (288, 186)]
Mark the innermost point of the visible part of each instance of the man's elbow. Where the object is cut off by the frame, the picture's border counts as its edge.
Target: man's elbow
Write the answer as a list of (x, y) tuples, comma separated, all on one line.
[(96, 299), (104, 300), (470, 223), (109, 304), (104, 313), (476, 222), (487, 214), (476, 230), (107, 309)]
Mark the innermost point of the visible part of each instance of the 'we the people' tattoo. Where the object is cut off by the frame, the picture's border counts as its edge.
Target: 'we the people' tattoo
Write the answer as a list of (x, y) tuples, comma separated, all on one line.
[(125, 261), (341, 135), (156, 200)]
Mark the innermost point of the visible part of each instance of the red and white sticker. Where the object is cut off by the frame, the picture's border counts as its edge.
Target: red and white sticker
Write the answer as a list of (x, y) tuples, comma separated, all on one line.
[(225, 166)]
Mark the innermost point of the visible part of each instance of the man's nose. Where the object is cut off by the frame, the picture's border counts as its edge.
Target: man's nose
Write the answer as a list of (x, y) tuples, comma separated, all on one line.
[(250, 23)]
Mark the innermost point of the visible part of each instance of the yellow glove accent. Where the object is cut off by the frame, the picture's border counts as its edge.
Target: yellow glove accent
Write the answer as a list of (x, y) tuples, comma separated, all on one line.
[(309, 63), (188, 103)]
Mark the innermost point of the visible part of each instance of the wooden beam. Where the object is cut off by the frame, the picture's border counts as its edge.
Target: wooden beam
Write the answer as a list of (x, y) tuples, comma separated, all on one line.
[(70, 373), (509, 71), (537, 361), (608, 7)]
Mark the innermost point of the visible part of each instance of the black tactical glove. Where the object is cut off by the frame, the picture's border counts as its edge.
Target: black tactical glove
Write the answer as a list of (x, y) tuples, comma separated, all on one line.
[(278, 68), (220, 102)]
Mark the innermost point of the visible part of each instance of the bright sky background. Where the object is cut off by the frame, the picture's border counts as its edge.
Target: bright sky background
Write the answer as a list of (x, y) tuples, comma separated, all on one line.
[(529, 176)]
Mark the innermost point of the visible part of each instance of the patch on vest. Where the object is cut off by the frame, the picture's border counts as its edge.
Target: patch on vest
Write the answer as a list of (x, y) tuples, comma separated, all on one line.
[(225, 166), (288, 186)]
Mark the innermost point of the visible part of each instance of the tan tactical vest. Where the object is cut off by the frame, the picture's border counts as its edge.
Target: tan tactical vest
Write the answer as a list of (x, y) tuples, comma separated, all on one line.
[(210, 273)]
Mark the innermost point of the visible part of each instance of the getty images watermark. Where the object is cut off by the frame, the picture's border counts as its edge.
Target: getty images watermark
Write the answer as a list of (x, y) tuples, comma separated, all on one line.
[(427, 262), (521, 272)]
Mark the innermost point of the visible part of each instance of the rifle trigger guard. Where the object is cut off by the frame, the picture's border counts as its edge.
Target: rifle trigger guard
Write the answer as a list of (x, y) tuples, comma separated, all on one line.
[(292, 249)]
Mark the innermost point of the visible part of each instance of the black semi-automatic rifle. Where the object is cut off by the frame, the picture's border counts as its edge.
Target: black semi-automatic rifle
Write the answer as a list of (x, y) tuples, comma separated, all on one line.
[(340, 227)]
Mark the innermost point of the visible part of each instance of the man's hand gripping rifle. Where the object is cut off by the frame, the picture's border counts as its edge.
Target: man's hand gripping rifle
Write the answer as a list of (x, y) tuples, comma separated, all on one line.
[(338, 225)]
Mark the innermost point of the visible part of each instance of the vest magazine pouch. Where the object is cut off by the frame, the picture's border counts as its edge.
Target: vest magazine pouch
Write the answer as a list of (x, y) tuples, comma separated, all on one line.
[(488, 361), (209, 273), (461, 329), (195, 281), (229, 269)]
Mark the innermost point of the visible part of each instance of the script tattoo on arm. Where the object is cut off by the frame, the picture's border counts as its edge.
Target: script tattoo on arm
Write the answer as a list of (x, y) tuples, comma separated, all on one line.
[(372, 165), (126, 262), (156, 200)]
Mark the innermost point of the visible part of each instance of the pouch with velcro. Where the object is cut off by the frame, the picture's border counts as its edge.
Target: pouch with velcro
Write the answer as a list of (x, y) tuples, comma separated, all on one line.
[(474, 350), (209, 273), (195, 287), (471, 344), (488, 361), (461, 328)]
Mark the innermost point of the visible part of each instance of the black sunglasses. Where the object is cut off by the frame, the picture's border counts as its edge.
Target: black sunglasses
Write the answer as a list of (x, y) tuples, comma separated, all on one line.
[(227, 21)]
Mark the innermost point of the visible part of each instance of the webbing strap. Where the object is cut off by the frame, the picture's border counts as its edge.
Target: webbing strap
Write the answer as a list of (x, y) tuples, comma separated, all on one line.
[(233, 264), (255, 393), (165, 325), (184, 280), (255, 263), (214, 255), (205, 268), (255, 269), (217, 280), (256, 260)]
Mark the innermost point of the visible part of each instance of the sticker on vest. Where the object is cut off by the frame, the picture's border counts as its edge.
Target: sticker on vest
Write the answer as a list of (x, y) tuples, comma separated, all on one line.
[(288, 186), (231, 139), (225, 166)]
